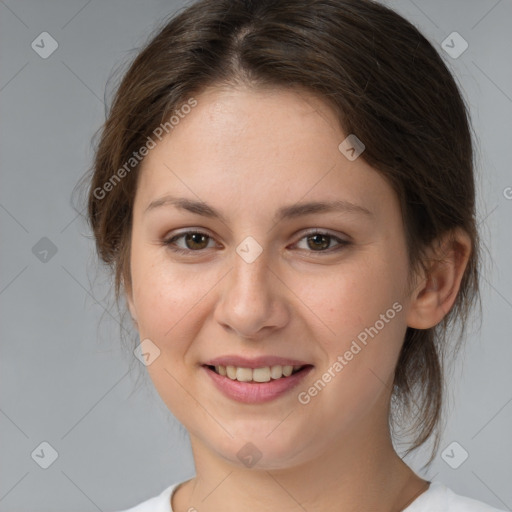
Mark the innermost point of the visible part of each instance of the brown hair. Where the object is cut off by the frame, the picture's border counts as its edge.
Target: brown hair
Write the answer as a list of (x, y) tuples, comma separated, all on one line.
[(386, 83)]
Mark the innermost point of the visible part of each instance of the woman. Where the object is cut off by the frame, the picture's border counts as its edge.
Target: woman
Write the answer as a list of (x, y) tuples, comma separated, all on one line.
[(284, 190)]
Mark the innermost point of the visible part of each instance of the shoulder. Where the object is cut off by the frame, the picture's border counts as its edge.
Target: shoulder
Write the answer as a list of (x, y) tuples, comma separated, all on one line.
[(160, 503), (440, 498)]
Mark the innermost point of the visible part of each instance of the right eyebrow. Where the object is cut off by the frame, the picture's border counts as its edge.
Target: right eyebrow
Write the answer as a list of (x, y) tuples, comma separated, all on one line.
[(182, 203)]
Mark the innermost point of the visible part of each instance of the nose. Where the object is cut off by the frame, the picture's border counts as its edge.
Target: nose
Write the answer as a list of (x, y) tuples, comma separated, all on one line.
[(253, 299)]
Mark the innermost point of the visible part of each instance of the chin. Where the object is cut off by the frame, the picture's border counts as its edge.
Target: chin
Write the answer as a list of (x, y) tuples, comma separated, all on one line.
[(260, 450)]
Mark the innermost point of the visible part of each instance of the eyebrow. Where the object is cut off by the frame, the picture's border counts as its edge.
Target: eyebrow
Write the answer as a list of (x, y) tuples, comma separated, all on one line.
[(285, 212)]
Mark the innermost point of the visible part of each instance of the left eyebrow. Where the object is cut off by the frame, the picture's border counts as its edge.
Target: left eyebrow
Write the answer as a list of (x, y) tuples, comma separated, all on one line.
[(285, 212), (299, 209)]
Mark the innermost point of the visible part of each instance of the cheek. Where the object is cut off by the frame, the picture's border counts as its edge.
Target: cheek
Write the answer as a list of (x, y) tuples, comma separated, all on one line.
[(367, 314), (362, 305), (353, 297), (356, 378), (165, 296), (170, 313)]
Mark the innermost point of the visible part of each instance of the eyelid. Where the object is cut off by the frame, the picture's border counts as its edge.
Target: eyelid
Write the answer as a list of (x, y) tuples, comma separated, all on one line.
[(341, 242), (321, 231), (169, 241)]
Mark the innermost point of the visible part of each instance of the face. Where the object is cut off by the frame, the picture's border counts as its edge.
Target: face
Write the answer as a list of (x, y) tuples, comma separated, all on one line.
[(293, 260)]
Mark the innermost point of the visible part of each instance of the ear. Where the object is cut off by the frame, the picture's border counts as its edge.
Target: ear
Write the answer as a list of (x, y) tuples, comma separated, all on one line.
[(437, 287), (129, 300)]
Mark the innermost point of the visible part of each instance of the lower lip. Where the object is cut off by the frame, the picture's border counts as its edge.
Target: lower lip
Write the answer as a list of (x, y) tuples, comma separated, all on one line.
[(256, 392)]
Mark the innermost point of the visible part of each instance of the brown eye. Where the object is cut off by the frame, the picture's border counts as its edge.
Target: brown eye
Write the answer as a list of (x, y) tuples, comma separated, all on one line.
[(319, 241), (196, 240), (190, 241)]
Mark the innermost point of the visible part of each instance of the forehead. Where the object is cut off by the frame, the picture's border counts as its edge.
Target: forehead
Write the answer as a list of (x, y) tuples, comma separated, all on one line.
[(265, 145)]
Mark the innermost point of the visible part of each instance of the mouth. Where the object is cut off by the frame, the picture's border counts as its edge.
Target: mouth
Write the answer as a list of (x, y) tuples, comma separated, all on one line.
[(255, 381), (256, 375)]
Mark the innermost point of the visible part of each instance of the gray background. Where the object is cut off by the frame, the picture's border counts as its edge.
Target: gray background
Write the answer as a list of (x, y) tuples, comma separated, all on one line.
[(64, 374)]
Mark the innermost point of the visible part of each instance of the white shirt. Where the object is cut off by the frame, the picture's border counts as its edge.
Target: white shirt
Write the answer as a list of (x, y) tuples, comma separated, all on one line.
[(438, 498)]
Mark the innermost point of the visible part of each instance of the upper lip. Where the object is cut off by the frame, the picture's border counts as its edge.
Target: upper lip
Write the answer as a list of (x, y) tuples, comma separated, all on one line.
[(255, 362)]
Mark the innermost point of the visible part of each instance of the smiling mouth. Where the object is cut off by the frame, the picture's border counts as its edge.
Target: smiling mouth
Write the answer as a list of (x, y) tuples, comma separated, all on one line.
[(257, 375)]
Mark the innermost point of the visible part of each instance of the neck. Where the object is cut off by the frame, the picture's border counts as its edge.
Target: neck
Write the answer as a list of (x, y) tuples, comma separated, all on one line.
[(359, 472)]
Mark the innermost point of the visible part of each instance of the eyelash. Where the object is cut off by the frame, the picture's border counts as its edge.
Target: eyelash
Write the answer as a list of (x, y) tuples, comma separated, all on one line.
[(170, 243)]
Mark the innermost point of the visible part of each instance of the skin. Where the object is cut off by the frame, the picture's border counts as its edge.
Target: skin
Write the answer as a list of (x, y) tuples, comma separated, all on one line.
[(243, 151)]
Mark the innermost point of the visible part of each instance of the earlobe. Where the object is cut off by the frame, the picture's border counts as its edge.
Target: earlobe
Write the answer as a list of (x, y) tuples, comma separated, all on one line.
[(438, 287), (132, 312), (131, 306)]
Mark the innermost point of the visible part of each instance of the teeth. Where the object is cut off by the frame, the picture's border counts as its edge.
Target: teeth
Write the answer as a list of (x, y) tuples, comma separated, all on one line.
[(264, 374), (261, 374), (276, 372), (287, 370), (231, 372), (243, 374)]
